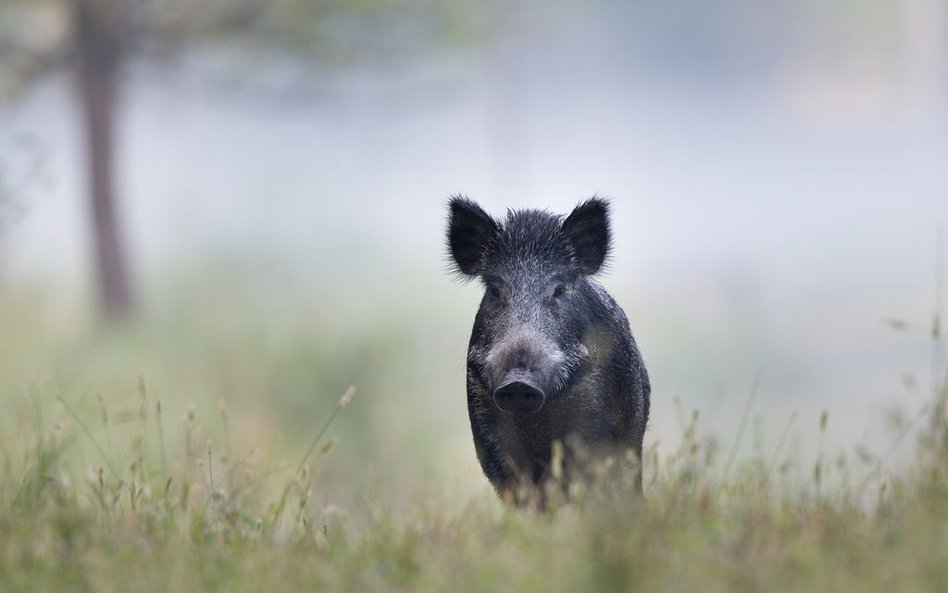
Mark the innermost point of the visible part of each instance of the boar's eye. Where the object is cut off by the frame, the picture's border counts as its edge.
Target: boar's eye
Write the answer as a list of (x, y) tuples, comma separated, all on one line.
[(494, 291), (559, 290)]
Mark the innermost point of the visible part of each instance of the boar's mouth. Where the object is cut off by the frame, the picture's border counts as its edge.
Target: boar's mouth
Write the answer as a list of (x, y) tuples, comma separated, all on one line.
[(519, 394)]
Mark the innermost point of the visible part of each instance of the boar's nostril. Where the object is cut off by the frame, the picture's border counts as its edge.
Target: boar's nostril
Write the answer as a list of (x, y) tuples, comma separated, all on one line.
[(520, 397)]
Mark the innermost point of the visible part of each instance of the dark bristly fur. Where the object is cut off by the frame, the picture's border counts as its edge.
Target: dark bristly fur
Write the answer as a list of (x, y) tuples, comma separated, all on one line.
[(551, 356)]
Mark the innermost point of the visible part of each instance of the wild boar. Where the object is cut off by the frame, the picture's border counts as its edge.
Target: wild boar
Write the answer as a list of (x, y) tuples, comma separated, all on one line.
[(551, 356)]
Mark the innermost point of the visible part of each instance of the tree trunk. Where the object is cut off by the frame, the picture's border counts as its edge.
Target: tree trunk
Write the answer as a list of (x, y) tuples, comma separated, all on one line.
[(99, 55)]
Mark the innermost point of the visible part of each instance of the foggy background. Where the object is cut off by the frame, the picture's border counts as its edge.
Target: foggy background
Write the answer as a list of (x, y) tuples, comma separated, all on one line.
[(778, 173)]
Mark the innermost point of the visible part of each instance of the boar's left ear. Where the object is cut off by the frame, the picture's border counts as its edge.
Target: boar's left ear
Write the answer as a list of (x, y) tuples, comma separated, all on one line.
[(587, 228), (470, 231)]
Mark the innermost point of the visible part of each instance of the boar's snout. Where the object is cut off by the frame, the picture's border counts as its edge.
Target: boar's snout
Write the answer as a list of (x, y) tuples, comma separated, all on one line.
[(520, 395)]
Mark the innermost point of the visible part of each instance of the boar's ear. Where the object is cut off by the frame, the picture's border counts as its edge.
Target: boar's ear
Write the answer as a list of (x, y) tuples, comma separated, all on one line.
[(470, 230), (587, 228)]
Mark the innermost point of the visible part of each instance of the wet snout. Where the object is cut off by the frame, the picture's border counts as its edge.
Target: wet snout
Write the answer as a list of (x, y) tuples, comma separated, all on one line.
[(519, 394), (522, 368)]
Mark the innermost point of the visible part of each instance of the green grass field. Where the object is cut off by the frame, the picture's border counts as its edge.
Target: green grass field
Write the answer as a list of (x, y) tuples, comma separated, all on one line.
[(187, 453)]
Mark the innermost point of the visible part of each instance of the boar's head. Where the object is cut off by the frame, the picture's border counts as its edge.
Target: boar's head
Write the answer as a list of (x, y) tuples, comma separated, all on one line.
[(527, 344)]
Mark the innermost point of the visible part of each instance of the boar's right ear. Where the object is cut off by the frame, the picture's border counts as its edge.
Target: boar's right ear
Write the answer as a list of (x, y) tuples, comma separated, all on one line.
[(587, 228), (470, 230)]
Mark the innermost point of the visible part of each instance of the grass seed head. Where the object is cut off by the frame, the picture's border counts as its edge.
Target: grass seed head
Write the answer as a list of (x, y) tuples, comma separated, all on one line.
[(346, 398), (330, 444)]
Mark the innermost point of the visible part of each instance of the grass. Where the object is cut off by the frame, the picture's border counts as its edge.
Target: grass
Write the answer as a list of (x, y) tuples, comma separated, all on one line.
[(114, 481)]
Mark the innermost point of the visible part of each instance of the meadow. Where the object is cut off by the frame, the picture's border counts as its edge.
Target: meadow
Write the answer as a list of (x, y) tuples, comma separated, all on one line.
[(227, 443)]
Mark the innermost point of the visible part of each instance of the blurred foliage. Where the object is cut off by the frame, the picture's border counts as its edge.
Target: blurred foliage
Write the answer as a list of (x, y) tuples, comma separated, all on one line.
[(36, 36), (97, 39), (183, 512), (275, 356), (172, 454)]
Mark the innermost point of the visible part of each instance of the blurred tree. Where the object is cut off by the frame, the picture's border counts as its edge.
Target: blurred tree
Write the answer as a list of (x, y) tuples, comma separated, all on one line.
[(100, 49), (97, 38)]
